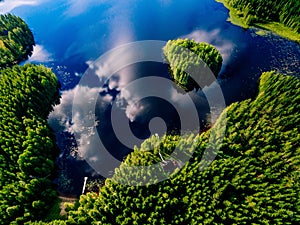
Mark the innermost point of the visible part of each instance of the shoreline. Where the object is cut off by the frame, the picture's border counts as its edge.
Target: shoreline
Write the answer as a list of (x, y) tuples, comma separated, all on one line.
[(275, 27)]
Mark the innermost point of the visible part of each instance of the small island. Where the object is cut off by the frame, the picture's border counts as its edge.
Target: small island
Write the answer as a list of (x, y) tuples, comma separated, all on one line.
[(192, 65), (16, 40), (280, 16)]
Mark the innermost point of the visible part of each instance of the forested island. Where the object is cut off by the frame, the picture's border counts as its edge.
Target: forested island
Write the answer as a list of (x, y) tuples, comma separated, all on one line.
[(279, 16), (192, 63)]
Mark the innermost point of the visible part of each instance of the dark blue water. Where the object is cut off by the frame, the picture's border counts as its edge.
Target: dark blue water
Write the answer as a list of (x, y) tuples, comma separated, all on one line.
[(71, 34)]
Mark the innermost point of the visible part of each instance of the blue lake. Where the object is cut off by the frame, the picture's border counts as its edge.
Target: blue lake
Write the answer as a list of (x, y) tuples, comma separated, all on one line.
[(70, 35)]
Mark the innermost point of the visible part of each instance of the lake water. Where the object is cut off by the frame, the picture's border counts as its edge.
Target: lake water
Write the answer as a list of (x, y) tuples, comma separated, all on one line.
[(70, 35)]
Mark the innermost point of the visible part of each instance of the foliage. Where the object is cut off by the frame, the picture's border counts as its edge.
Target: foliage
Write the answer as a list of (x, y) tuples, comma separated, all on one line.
[(16, 40), (54, 212), (255, 176), (27, 144), (94, 185), (188, 62), (260, 12)]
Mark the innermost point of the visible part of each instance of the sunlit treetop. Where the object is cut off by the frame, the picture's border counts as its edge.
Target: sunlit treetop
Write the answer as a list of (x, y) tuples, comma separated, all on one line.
[(16, 40), (192, 65)]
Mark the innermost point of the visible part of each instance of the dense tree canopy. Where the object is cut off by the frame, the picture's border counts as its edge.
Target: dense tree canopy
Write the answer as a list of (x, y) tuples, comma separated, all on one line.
[(286, 12), (27, 145), (188, 62), (255, 176), (16, 40)]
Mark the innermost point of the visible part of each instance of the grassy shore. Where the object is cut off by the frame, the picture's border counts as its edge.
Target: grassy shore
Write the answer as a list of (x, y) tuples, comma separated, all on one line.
[(236, 17)]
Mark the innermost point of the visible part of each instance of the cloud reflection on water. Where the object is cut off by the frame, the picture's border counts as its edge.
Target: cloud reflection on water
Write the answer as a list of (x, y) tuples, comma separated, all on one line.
[(40, 55), (9, 5)]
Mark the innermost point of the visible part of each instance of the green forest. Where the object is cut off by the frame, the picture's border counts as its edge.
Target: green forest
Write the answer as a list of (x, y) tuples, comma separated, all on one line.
[(280, 16), (188, 62), (255, 176), (16, 40), (27, 144)]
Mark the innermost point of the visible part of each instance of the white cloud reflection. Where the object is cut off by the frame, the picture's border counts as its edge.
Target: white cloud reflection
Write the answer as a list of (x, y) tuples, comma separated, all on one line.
[(40, 55), (76, 7), (9, 5), (65, 118)]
